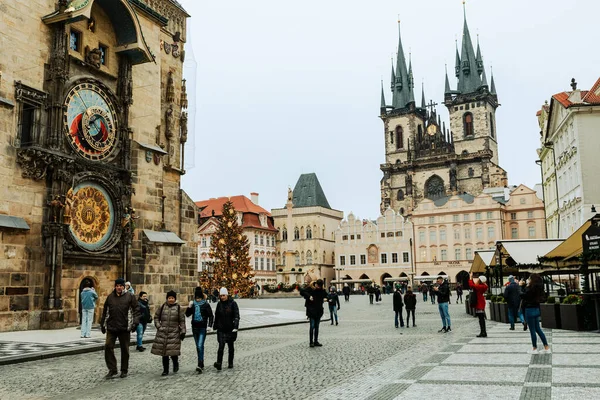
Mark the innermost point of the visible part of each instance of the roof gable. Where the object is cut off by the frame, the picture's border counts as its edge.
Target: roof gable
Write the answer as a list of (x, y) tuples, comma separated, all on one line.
[(240, 203), (308, 192), (593, 95)]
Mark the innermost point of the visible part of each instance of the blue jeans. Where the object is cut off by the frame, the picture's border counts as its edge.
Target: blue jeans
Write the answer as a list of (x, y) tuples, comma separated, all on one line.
[(443, 308), (87, 317), (533, 320), (511, 316), (424, 296), (199, 338), (141, 328), (333, 313), (313, 333), (399, 315)]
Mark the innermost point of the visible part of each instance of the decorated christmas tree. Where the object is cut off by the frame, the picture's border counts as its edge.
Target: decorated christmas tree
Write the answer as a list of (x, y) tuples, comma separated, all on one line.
[(229, 249)]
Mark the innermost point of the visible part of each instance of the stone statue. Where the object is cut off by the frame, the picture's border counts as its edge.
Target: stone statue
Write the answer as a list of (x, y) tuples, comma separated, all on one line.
[(184, 127), (68, 207), (56, 205), (170, 88), (453, 180), (409, 185), (290, 194), (169, 123), (94, 57)]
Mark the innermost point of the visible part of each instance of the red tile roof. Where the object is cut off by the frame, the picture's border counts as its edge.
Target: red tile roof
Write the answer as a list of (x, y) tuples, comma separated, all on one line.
[(593, 96), (588, 97), (240, 203)]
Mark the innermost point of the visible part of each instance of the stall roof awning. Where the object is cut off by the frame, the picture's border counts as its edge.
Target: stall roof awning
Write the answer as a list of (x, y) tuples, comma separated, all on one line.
[(572, 246), (7, 221), (400, 278), (352, 281), (526, 252), (428, 277), (483, 258), (163, 237)]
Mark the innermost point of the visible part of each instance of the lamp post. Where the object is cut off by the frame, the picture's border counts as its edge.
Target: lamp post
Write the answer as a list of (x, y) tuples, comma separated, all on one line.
[(539, 162), (550, 145)]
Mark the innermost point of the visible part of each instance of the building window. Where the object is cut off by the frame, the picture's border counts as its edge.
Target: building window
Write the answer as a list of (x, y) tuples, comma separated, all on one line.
[(492, 126), (471, 172), (456, 234), (532, 231), (256, 263), (358, 237), (479, 233), (399, 138), (424, 255), (457, 253), (468, 124), (103, 54), (390, 234), (491, 232), (262, 240), (308, 233), (443, 254), (75, 40), (272, 241), (394, 258), (297, 259), (352, 260), (513, 215), (309, 258), (296, 233), (345, 237), (284, 234), (514, 233), (529, 214), (443, 235), (384, 258), (262, 263), (434, 188), (400, 195), (466, 217), (405, 257), (432, 220), (432, 236), (203, 242), (455, 218), (478, 216), (363, 259), (469, 253), (489, 215), (391, 137), (351, 237), (421, 236), (342, 260), (268, 264), (467, 233), (382, 234), (203, 266)]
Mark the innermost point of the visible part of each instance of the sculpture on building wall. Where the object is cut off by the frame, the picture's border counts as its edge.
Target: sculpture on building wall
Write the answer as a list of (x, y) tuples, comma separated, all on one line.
[(93, 57), (453, 179), (183, 121), (169, 123), (184, 99), (170, 88), (68, 207)]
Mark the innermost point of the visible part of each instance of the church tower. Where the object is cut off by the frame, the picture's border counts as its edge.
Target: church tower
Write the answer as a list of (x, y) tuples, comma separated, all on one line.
[(423, 159)]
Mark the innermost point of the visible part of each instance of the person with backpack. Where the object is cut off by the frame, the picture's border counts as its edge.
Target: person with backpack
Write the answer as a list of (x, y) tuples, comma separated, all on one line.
[(479, 287), (169, 321), (202, 322), (512, 294), (398, 305), (410, 302)]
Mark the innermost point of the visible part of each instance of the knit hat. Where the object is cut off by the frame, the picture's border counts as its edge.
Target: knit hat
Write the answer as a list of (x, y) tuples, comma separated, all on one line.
[(127, 283), (198, 294), (511, 278), (172, 293), (223, 292), (482, 279), (120, 281)]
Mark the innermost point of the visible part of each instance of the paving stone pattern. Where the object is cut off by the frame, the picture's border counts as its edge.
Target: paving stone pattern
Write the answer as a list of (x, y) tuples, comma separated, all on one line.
[(364, 357)]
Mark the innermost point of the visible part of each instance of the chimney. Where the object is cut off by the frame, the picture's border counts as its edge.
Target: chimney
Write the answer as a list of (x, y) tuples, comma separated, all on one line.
[(254, 197)]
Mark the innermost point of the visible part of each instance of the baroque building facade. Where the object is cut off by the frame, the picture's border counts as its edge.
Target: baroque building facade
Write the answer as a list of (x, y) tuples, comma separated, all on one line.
[(568, 158), (258, 227), (306, 239), (423, 158), (93, 123)]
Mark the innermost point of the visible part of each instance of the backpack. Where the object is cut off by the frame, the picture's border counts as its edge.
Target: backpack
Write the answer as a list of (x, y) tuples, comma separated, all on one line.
[(197, 312)]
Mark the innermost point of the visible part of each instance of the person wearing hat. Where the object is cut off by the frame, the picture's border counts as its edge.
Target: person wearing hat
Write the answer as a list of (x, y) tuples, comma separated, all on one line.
[(128, 288), (512, 294), (227, 320), (145, 319), (202, 320), (169, 321), (115, 324), (479, 287)]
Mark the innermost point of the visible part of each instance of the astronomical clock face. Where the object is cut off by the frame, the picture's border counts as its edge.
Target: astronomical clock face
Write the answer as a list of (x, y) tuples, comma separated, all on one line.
[(92, 216), (90, 122), (432, 129)]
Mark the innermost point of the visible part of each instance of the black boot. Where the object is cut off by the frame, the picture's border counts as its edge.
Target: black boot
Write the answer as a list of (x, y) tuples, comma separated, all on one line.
[(175, 364), (165, 362), (217, 366), (443, 330)]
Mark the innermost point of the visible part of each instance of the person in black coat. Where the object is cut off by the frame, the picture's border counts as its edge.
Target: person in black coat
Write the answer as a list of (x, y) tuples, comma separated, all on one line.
[(334, 304), (459, 293), (145, 319), (410, 302), (202, 321), (512, 294), (314, 297), (346, 291), (227, 320), (371, 292), (398, 305)]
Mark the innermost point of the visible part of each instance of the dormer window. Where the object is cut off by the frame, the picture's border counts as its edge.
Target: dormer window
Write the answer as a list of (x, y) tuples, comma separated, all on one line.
[(263, 219)]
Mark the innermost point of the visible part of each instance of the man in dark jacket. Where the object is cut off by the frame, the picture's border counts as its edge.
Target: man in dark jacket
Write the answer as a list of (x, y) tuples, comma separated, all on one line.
[(314, 299), (442, 292), (398, 305), (202, 320), (145, 319), (227, 320), (116, 324), (459, 293), (346, 291), (512, 294), (410, 303), (371, 292), (334, 304)]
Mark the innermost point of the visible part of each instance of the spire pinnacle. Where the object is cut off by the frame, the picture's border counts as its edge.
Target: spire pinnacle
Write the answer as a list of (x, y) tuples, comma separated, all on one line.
[(423, 105), (382, 98), (483, 78), (468, 73), (457, 62), (393, 78), (402, 78), (447, 83), (492, 85)]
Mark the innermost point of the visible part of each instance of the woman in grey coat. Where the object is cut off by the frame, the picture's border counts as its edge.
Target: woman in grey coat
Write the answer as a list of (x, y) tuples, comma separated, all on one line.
[(169, 320)]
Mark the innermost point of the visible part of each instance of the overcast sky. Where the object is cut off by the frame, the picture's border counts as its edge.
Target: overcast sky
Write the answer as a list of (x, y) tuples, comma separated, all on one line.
[(289, 88)]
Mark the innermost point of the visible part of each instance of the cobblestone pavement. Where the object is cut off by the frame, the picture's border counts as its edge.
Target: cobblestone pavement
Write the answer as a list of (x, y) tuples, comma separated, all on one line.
[(364, 357)]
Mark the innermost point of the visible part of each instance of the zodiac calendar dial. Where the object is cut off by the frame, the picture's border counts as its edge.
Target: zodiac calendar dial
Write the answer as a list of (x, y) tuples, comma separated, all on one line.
[(90, 121)]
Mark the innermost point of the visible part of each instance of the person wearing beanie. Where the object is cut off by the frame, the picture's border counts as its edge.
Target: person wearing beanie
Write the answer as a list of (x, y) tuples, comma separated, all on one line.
[(227, 320), (115, 324), (169, 321), (145, 319), (202, 321), (313, 301), (479, 287), (128, 288), (410, 303), (512, 294), (334, 304)]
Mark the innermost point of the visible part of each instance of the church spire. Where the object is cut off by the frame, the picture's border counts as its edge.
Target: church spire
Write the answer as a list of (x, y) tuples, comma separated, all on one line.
[(493, 85), (457, 62), (402, 88), (382, 108), (447, 89), (483, 78), (411, 80), (393, 79), (423, 105), (468, 79)]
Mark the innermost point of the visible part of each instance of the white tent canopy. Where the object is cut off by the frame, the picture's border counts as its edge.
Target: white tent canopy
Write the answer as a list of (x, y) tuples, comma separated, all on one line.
[(401, 278), (527, 251), (429, 277), (352, 281)]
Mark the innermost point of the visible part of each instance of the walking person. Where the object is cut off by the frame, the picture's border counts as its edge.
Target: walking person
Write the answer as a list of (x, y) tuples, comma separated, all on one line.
[(169, 321), (202, 322), (512, 294), (346, 292), (314, 299), (398, 305), (377, 294), (371, 292), (432, 294), (479, 287), (88, 298), (410, 302), (533, 294), (128, 288), (334, 304), (424, 290), (459, 293), (145, 319), (116, 325), (442, 292), (227, 320)]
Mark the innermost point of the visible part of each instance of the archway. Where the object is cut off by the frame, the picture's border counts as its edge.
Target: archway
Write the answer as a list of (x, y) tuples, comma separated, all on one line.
[(463, 278), (403, 275), (347, 277), (82, 285), (364, 276), (385, 275)]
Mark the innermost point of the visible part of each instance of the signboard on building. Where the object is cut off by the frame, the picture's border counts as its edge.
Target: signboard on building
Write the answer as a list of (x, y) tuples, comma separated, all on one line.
[(591, 239)]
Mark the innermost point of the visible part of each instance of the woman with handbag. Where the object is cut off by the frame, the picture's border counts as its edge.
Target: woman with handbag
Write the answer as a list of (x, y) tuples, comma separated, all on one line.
[(169, 321), (479, 287), (533, 294), (227, 319)]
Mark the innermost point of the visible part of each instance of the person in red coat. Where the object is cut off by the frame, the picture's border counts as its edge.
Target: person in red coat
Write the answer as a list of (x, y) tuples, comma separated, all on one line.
[(479, 287)]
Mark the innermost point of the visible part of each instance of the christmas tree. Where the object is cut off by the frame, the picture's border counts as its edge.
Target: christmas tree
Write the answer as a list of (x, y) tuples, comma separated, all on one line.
[(229, 250)]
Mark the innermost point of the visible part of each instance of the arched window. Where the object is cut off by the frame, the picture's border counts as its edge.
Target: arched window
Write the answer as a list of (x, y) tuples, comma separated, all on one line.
[(284, 234), (302, 257), (468, 124), (471, 172), (492, 126), (296, 233), (323, 230), (434, 187), (392, 137), (308, 232), (399, 138), (400, 195), (297, 259), (309, 259), (324, 255)]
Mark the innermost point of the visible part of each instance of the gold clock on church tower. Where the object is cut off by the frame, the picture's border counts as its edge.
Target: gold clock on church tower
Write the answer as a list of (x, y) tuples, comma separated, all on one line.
[(432, 129)]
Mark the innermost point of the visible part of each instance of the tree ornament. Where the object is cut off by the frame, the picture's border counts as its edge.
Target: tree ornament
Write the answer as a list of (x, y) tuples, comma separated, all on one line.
[(229, 224), (234, 276)]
